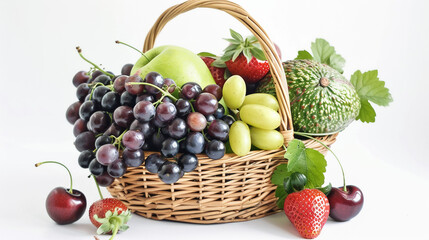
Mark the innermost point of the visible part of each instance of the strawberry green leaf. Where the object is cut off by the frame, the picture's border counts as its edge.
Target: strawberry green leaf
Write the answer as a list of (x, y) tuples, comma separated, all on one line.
[(304, 55), (307, 161), (235, 35), (237, 53), (258, 53), (247, 54), (325, 53), (279, 174), (252, 39), (369, 86), (206, 54), (232, 41), (367, 113), (218, 63)]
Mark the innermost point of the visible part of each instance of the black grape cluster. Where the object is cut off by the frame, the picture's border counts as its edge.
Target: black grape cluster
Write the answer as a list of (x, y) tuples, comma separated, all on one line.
[(118, 118)]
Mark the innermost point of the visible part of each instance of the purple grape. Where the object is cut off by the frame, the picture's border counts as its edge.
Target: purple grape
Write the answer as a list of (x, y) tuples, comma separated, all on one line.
[(123, 116), (156, 79), (206, 103), (110, 101), (87, 109), (214, 89), (169, 147), (228, 120), (177, 129), (145, 97), (144, 111), (99, 93), (95, 168), (134, 89), (146, 128), (127, 99), (85, 158), (156, 141), (195, 143), (72, 113), (218, 129), (220, 111), (85, 141), (107, 154), (133, 158), (79, 78), (183, 107), (169, 85), (210, 118), (102, 140), (79, 127), (126, 69), (94, 75), (188, 162), (166, 112), (133, 140), (190, 90), (117, 168), (82, 91), (170, 172), (196, 121), (104, 79), (104, 180), (153, 162), (99, 122), (215, 149), (119, 84), (114, 130)]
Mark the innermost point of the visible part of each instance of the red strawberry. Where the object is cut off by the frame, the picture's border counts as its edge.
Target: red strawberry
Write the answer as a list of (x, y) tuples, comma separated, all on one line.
[(109, 215), (218, 73), (245, 57), (308, 211), (251, 71)]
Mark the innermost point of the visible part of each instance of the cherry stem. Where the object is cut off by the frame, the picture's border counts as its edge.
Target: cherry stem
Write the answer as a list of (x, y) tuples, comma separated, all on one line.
[(71, 179), (79, 50), (98, 187), (119, 42), (165, 93), (338, 160)]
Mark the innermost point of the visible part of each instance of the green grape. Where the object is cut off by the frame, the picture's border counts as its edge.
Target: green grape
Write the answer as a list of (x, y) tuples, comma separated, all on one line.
[(234, 91), (260, 116), (266, 139), (265, 99), (239, 138)]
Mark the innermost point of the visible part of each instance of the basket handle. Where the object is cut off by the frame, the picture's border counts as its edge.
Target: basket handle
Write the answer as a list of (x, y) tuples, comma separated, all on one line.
[(268, 48)]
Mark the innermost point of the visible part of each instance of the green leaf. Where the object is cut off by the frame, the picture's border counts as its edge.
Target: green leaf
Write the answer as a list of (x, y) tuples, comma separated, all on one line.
[(233, 41), (218, 63), (231, 47), (367, 113), (258, 53), (369, 86), (279, 174), (304, 55), (247, 54), (281, 195), (325, 53), (237, 53), (236, 35), (227, 56), (252, 39), (206, 54), (337, 62), (307, 161), (104, 228)]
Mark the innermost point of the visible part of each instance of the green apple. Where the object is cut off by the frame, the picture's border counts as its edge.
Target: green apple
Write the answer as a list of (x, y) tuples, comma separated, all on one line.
[(176, 63)]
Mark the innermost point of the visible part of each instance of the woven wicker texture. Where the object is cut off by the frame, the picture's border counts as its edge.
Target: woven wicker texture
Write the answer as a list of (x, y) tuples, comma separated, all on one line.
[(230, 189)]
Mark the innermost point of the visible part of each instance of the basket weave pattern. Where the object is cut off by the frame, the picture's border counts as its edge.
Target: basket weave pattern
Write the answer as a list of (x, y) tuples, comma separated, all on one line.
[(230, 189)]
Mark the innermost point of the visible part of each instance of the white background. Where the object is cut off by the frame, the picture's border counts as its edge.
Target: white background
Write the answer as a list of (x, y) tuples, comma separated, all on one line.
[(387, 159)]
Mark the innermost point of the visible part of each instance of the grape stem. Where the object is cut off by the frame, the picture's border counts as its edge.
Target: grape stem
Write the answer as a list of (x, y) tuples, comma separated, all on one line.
[(98, 187), (79, 50), (119, 42), (165, 93), (328, 148), (71, 179), (119, 139)]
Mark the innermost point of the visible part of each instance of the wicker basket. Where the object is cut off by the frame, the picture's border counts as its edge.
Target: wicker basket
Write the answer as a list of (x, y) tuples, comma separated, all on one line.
[(230, 189)]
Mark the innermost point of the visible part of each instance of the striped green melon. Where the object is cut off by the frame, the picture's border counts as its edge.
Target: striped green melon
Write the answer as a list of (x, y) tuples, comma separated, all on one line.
[(322, 100)]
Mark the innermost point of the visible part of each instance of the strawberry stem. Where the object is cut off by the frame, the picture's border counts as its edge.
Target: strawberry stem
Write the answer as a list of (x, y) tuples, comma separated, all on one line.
[(98, 187), (71, 180), (338, 160), (115, 230)]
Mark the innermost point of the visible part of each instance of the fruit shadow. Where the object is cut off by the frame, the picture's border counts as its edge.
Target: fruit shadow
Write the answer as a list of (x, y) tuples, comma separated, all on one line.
[(284, 227), (86, 228)]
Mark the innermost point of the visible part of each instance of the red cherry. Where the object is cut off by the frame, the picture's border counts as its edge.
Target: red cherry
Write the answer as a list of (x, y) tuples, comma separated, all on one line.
[(65, 207), (345, 204)]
